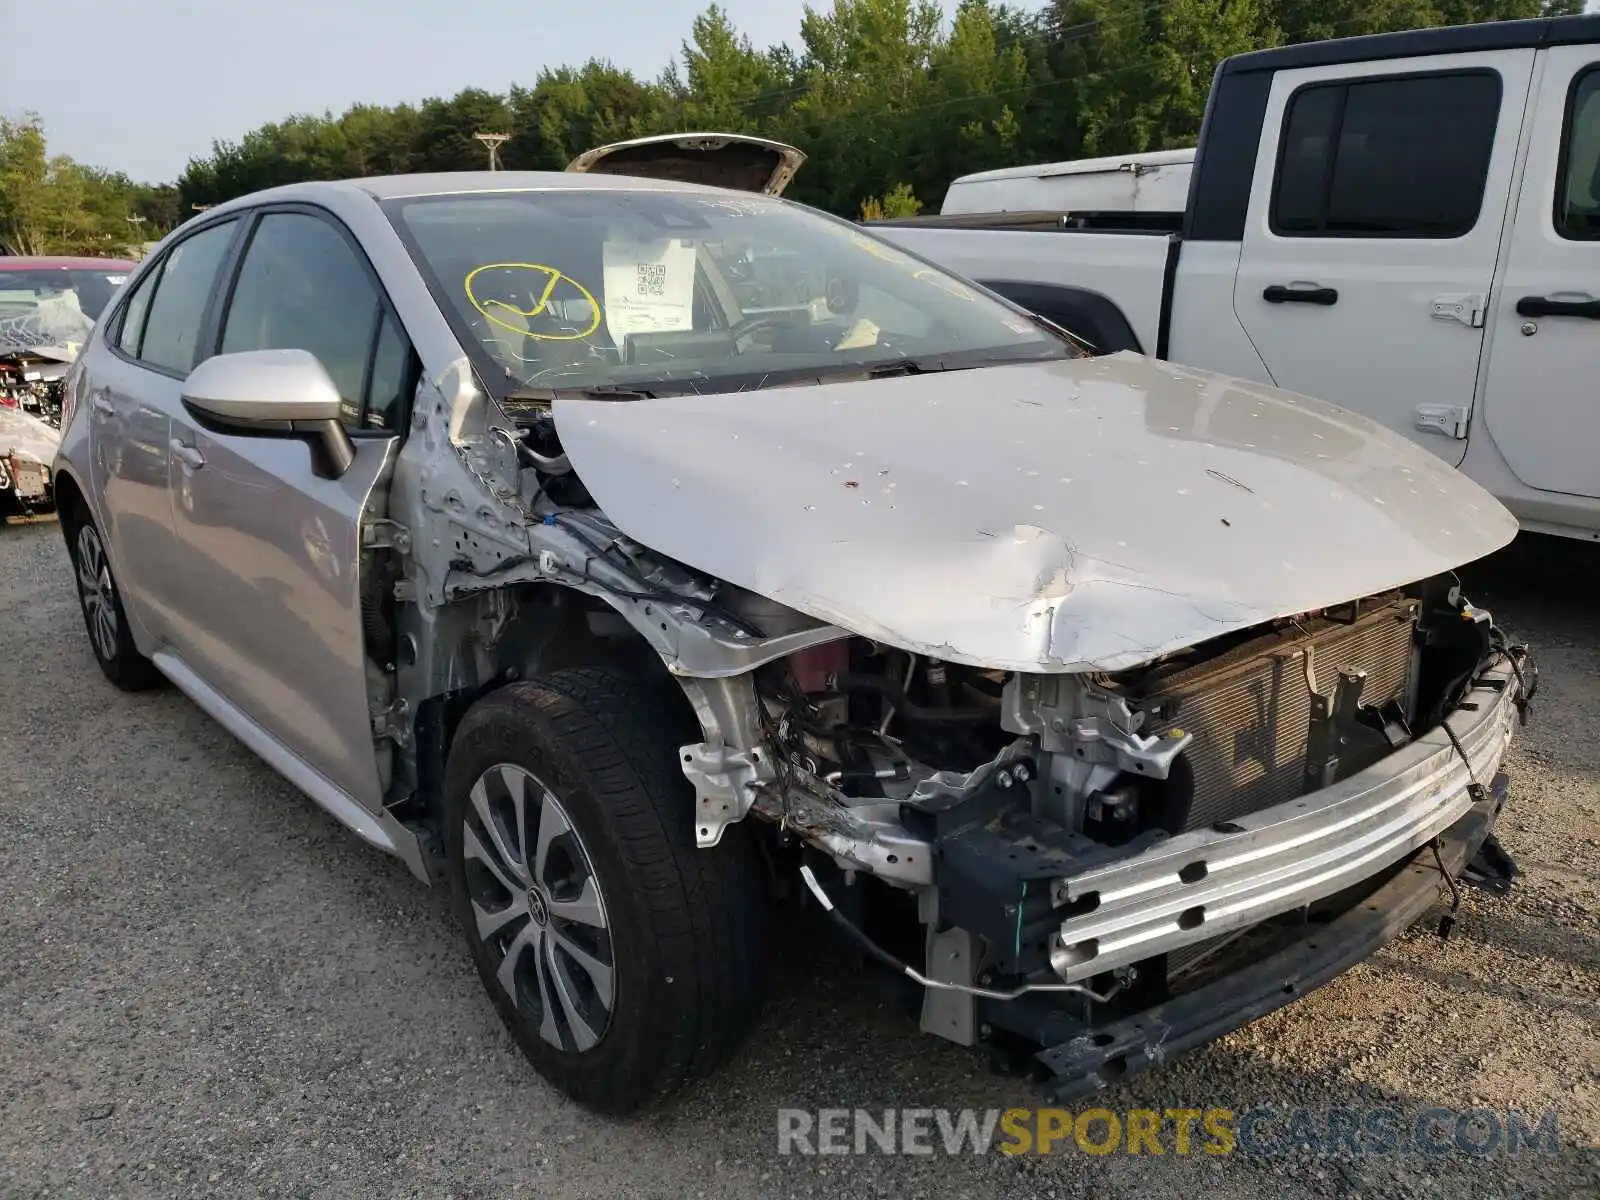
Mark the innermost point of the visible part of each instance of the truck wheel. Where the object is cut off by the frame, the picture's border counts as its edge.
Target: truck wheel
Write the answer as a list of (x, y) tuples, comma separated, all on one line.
[(624, 960), (103, 617)]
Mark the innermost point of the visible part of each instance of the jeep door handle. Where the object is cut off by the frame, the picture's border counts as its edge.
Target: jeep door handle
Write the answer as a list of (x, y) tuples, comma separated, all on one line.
[(1550, 306), (186, 454), (1278, 294), (101, 405)]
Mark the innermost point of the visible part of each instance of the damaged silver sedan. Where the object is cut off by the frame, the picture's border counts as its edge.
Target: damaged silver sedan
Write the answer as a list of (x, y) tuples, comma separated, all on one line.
[(645, 560)]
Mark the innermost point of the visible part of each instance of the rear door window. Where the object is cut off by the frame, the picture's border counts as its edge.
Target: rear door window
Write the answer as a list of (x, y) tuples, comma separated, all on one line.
[(172, 327), (1577, 214), (133, 313), (1399, 156)]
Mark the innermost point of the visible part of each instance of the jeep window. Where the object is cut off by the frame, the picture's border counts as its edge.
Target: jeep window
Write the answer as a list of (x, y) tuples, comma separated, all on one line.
[(1406, 156), (1578, 178), (583, 288)]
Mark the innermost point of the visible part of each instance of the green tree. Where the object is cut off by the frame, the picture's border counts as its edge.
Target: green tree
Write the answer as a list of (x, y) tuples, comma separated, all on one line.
[(445, 138), (27, 204), (862, 81), (726, 84), (53, 205), (877, 93), (569, 110), (1196, 35), (976, 78), (898, 201)]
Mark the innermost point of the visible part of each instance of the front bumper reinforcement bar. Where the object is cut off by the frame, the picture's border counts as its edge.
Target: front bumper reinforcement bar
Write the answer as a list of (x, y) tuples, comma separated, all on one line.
[(1106, 1054), (1199, 885)]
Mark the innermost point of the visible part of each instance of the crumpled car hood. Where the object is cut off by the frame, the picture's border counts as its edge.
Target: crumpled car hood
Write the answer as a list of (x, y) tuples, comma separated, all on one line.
[(20, 431), (1088, 514)]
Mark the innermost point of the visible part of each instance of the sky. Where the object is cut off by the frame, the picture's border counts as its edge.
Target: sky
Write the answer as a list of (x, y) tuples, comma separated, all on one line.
[(141, 86)]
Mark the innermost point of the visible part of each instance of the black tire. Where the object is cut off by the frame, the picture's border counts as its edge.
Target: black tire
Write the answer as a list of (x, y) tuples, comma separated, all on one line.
[(109, 638), (687, 927)]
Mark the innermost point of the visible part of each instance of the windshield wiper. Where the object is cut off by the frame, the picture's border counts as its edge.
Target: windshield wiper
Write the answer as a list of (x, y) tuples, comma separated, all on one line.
[(1080, 342), (964, 360), (598, 391), (961, 360), (903, 366)]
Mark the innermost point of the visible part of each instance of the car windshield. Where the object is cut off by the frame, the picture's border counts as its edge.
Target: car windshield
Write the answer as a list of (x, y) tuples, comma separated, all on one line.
[(647, 291), (52, 306)]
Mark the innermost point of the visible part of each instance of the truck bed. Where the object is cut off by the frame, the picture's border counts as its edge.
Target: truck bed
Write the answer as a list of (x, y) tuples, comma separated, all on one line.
[(999, 249), (1043, 221)]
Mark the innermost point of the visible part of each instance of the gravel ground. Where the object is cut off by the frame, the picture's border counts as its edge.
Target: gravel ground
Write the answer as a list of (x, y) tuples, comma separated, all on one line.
[(207, 987)]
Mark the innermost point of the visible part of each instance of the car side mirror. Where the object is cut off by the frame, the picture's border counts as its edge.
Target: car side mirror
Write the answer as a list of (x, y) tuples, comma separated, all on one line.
[(272, 393)]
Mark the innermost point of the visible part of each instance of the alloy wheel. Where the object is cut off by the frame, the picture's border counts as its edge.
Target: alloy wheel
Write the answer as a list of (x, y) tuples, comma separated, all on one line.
[(537, 906), (99, 592)]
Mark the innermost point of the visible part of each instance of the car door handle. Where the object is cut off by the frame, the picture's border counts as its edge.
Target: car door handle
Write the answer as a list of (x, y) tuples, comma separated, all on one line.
[(186, 454), (1278, 294), (102, 406), (1551, 306)]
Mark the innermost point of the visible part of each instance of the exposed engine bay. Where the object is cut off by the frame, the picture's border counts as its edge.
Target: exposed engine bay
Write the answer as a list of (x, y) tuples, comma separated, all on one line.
[(995, 789), (33, 385)]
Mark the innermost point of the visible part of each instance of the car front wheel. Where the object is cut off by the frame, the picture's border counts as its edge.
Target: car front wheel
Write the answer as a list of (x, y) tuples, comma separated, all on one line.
[(624, 960)]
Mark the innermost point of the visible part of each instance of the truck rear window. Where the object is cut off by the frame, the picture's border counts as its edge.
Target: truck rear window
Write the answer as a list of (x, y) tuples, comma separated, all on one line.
[(1578, 181), (1392, 156)]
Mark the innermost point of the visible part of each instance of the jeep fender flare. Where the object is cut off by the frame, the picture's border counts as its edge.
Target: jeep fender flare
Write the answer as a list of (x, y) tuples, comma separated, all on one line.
[(1091, 315)]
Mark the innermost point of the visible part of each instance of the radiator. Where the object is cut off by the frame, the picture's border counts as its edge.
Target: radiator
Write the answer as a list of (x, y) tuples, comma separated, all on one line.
[(1250, 713), (1250, 710)]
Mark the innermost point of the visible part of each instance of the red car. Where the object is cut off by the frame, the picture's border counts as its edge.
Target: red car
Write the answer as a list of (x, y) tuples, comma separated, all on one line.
[(47, 307), (90, 281)]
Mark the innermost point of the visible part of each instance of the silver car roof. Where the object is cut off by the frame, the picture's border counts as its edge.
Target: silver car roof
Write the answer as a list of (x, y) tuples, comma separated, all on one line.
[(393, 187)]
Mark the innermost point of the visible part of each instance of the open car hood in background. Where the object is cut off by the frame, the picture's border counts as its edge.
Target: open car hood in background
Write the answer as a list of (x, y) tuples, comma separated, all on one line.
[(729, 160), (1087, 514)]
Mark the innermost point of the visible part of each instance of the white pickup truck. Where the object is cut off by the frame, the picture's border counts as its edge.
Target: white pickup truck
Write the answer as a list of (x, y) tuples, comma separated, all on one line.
[(1406, 225)]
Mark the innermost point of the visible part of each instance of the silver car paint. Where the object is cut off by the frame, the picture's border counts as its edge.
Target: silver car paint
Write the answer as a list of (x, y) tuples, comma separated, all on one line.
[(125, 415), (270, 608), (1064, 516)]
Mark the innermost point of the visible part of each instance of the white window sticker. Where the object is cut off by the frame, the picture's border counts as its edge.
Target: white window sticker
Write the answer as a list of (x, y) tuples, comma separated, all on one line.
[(649, 287)]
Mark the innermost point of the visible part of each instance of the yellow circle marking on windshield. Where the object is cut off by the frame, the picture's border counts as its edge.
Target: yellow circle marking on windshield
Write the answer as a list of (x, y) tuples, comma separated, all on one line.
[(554, 277), (948, 286)]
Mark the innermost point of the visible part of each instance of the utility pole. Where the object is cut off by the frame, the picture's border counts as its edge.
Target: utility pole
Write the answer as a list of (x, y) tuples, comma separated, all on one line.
[(493, 141)]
